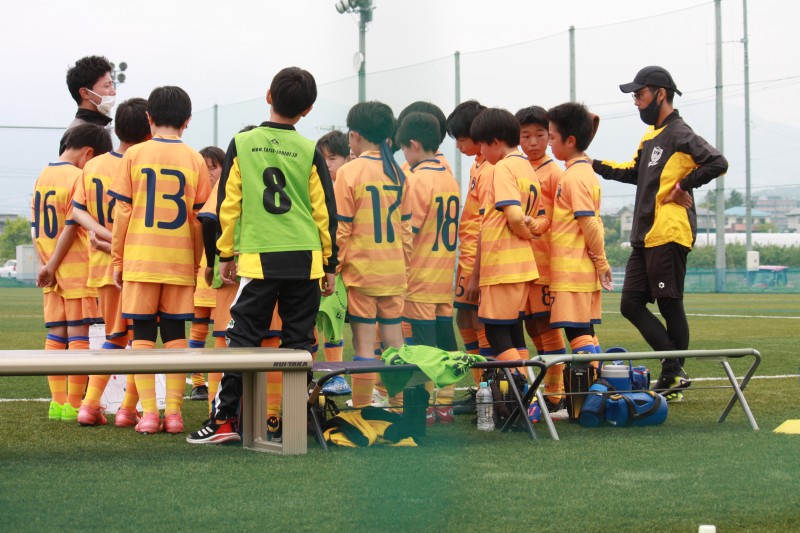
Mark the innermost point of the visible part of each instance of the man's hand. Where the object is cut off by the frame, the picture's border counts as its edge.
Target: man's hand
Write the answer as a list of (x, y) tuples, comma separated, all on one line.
[(328, 284), (680, 197), (46, 277), (208, 275), (118, 280), (227, 271)]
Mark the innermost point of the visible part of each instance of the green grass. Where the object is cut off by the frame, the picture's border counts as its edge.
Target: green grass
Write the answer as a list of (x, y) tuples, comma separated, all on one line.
[(674, 477)]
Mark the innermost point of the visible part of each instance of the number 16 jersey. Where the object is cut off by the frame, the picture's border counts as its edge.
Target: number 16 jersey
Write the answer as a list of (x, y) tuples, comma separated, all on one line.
[(160, 186)]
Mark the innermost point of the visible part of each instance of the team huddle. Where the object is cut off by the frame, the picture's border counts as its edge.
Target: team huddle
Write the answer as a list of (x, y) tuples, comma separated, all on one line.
[(261, 239)]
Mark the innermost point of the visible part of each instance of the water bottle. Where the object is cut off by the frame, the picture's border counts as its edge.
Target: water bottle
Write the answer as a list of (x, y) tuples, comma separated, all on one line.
[(485, 407)]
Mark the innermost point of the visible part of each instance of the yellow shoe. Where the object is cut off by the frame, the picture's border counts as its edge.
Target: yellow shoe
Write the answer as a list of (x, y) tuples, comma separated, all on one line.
[(69, 413), (54, 413)]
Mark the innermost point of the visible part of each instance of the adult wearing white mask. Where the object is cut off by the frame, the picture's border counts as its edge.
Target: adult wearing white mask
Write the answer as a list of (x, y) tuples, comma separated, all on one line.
[(91, 86)]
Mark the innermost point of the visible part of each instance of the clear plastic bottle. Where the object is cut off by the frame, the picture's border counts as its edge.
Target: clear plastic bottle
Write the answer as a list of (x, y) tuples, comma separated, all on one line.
[(485, 407)]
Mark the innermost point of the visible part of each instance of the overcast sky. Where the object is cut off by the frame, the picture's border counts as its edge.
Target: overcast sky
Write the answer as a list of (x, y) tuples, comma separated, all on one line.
[(226, 52)]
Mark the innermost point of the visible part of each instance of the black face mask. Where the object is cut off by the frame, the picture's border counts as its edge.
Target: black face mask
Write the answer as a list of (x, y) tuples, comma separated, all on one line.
[(649, 114)]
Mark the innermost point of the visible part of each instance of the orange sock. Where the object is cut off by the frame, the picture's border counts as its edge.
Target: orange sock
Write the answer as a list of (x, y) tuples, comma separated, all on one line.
[(582, 343), (485, 350), (198, 380), (146, 383), (512, 354), (553, 342), (334, 351), (94, 390), (274, 393), (76, 385), (131, 397), (198, 334), (58, 384), (176, 383), (408, 334)]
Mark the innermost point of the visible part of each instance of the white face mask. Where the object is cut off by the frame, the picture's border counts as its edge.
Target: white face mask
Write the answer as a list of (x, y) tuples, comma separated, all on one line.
[(106, 103)]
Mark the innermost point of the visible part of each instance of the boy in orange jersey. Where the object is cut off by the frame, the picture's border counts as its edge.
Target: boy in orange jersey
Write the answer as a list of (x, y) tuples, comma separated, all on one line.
[(441, 121), (432, 198), (480, 175), (94, 211), (62, 247), (513, 215), (369, 192), (577, 252), (205, 297), (533, 140), (161, 185)]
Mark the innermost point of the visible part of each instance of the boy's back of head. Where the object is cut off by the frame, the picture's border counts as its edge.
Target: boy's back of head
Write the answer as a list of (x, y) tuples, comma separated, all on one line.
[(169, 106), (372, 120), (130, 121), (495, 124), (532, 116), (293, 90), (574, 119), (85, 73), (88, 136), (335, 143), (426, 107), (420, 127), (214, 154), (460, 120)]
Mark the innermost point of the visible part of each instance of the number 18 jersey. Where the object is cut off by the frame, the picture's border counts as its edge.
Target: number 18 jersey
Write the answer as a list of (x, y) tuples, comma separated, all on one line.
[(160, 186)]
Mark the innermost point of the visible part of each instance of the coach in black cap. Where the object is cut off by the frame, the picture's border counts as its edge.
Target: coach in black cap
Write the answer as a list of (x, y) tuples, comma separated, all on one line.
[(671, 162)]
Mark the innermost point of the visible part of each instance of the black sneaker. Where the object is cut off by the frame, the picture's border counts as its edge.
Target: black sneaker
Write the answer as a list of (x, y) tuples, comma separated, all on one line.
[(214, 433), (666, 385), (199, 393), (466, 405), (553, 407), (274, 429)]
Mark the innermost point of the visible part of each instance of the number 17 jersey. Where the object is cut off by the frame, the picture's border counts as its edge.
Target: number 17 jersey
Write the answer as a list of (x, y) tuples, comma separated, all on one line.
[(162, 184)]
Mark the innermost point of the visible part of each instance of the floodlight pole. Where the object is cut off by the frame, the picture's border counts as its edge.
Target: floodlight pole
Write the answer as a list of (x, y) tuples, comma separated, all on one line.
[(747, 195), (720, 244), (365, 15), (572, 88)]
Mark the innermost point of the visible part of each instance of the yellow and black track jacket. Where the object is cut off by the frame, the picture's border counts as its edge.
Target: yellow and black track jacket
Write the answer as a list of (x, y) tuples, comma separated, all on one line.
[(667, 155)]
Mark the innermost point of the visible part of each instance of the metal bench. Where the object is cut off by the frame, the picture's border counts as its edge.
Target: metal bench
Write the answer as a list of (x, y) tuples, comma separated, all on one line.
[(252, 362)]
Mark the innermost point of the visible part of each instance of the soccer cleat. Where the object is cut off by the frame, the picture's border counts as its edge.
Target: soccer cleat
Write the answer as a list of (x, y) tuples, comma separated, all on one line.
[(553, 407), (68, 413), (91, 417), (336, 386), (54, 412), (444, 414), (274, 429), (674, 397), (199, 393), (379, 400), (149, 424), (666, 385), (430, 417), (173, 423), (214, 433), (126, 419), (466, 406)]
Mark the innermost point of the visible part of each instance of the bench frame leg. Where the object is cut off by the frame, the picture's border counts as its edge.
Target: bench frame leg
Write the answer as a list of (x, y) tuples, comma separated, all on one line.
[(254, 413)]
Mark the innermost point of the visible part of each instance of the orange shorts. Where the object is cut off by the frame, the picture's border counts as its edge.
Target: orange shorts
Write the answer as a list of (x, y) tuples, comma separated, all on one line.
[(203, 314), (575, 309), (226, 295), (276, 325), (426, 312), (370, 309), (110, 300), (461, 301), (503, 303), (60, 311), (539, 301), (148, 301)]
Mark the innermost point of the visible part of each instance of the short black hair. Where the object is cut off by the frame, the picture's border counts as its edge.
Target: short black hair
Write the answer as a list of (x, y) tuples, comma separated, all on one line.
[(495, 124), (420, 127), (460, 120), (372, 120), (130, 121), (532, 116), (334, 142), (217, 155), (293, 91), (85, 73), (88, 135), (426, 107), (169, 106), (572, 118)]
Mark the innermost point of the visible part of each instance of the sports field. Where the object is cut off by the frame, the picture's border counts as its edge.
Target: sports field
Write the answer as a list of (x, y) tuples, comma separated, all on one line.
[(690, 471)]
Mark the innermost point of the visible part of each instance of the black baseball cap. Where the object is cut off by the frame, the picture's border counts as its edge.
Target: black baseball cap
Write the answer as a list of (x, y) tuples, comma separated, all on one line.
[(651, 76)]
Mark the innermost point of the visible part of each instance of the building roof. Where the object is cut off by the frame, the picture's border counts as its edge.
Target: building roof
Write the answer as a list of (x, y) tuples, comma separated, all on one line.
[(740, 211)]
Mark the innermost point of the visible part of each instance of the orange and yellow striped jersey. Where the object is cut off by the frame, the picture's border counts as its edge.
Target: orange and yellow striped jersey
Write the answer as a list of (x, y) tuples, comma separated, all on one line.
[(159, 188), (406, 168), (505, 257), (480, 177), (370, 234), (548, 172), (91, 196), (51, 212), (578, 195), (432, 198)]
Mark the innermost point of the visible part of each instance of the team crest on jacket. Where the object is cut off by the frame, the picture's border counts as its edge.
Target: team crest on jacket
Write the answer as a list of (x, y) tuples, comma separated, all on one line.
[(558, 191), (472, 183), (655, 156)]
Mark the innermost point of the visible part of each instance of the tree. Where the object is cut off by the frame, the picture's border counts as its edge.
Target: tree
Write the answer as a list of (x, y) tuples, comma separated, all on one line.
[(735, 199), (17, 231)]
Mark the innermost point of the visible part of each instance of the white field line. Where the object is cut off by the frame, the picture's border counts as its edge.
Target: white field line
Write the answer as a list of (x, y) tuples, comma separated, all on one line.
[(781, 376), (723, 316)]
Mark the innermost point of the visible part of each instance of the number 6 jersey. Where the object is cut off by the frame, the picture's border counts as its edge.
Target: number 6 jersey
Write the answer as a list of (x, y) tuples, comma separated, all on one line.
[(160, 186)]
